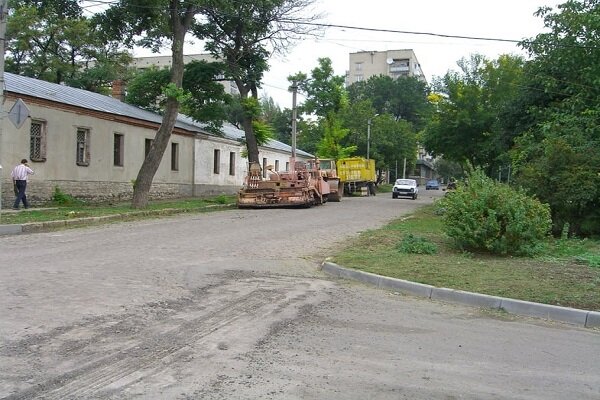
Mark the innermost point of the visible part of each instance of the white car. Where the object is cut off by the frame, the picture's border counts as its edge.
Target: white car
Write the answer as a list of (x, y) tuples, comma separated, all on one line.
[(405, 188)]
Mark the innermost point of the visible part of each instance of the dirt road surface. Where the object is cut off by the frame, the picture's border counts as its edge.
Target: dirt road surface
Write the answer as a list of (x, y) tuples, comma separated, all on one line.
[(232, 305)]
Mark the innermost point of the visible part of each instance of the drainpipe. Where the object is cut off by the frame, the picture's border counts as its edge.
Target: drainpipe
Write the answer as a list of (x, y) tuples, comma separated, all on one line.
[(194, 166), (3, 15)]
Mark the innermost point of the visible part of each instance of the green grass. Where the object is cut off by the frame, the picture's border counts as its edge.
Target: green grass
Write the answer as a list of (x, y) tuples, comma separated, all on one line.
[(566, 274), (59, 212)]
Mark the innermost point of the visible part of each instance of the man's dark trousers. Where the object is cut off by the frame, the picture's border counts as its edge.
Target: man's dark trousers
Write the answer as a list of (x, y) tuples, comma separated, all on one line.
[(21, 187)]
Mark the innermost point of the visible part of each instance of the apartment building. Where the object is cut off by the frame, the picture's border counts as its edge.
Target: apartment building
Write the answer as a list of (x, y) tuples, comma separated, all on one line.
[(393, 63)]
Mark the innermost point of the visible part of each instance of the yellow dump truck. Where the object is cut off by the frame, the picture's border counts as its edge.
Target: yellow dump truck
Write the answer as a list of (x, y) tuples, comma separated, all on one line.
[(357, 175)]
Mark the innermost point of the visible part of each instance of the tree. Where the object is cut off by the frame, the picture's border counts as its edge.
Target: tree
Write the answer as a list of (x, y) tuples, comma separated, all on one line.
[(404, 98), (326, 98), (279, 119), (151, 23), (244, 34), (205, 98), (557, 152), (465, 125), (53, 41)]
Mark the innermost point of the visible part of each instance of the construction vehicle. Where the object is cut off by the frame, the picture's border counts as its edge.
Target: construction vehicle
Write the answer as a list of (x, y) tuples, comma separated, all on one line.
[(328, 170), (357, 175), (302, 186)]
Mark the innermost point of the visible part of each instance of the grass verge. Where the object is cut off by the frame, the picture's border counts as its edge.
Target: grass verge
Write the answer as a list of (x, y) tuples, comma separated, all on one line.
[(57, 213), (566, 274)]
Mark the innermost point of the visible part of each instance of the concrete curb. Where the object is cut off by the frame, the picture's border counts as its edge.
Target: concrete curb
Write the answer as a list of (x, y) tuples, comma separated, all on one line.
[(585, 318)]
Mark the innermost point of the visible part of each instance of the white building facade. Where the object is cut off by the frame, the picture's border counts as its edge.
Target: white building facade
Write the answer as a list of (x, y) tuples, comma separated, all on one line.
[(92, 146)]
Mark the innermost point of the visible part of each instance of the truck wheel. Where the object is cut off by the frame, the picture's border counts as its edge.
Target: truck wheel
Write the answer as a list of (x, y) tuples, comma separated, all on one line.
[(394, 196)]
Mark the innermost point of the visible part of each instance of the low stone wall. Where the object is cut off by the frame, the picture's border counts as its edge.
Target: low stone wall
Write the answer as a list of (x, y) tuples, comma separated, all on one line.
[(41, 192)]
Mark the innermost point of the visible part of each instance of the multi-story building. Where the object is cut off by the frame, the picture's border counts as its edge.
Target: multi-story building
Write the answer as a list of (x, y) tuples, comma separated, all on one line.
[(393, 63)]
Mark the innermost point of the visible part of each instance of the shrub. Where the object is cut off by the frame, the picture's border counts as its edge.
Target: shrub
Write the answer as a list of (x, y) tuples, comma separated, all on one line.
[(489, 216), (416, 245)]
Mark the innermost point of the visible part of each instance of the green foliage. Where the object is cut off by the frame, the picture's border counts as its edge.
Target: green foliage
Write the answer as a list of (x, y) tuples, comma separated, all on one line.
[(54, 41), (411, 244), (404, 98), (63, 199), (222, 199), (557, 153), (263, 132), (325, 92), (465, 126), (330, 145), (489, 216)]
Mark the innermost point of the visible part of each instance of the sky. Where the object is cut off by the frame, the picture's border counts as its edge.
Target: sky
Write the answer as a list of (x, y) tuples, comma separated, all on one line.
[(507, 19)]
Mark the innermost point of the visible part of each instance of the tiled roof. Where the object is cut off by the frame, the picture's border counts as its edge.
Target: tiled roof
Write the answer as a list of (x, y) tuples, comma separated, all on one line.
[(98, 102)]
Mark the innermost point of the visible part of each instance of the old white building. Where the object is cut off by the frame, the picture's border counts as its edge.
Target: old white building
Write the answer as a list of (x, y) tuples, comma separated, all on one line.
[(91, 146)]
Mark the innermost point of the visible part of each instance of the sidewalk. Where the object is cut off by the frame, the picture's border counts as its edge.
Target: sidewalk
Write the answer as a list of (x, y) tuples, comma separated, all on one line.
[(585, 318)]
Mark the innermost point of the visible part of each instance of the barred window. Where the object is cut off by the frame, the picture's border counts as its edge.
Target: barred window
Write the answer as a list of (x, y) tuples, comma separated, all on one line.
[(83, 147), (231, 163), (118, 149), (37, 141), (174, 156), (217, 161)]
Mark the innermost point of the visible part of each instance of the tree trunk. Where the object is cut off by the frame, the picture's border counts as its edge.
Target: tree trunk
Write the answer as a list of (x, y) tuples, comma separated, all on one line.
[(251, 143), (143, 183)]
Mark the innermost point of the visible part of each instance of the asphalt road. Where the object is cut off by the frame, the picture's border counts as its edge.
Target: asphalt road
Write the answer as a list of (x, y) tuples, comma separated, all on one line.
[(232, 305)]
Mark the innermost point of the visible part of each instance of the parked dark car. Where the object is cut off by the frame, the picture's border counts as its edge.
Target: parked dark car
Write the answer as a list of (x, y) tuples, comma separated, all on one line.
[(432, 184)]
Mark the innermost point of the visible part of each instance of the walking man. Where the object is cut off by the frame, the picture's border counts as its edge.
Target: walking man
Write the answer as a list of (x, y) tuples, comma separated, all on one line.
[(19, 175)]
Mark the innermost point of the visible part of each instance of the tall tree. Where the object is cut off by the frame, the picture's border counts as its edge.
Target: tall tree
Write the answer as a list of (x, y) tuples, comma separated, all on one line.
[(465, 125), (557, 152), (326, 98), (404, 98), (205, 98), (52, 40), (244, 34), (152, 23)]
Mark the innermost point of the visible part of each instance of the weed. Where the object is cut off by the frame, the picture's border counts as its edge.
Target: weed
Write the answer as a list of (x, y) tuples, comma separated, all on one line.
[(416, 245), (64, 199)]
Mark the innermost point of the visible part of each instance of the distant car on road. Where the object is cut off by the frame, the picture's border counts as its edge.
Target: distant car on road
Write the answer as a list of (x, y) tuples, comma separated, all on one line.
[(432, 184), (405, 188)]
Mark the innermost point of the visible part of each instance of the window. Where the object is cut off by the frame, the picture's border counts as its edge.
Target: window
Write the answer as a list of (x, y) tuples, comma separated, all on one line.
[(147, 145), (217, 161), (118, 149), (83, 147), (174, 156), (359, 78), (37, 141), (264, 168), (287, 166), (358, 66), (276, 165), (232, 163)]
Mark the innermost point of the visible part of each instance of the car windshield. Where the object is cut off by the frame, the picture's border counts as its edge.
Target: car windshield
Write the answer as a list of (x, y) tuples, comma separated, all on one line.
[(433, 182), (405, 182)]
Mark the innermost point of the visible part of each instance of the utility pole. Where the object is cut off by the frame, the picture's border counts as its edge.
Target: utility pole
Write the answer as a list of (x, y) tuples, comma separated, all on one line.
[(294, 88), (3, 15), (368, 136)]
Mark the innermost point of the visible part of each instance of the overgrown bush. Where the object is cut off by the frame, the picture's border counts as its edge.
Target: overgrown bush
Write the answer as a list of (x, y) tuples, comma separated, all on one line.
[(489, 216)]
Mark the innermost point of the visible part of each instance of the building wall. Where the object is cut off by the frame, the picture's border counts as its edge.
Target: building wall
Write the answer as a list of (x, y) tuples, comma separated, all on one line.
[(100, 179), (393, 63), (225, 179)]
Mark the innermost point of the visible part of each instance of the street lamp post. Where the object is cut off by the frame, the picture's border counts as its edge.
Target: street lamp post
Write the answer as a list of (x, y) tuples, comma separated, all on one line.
[(369, 135)]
